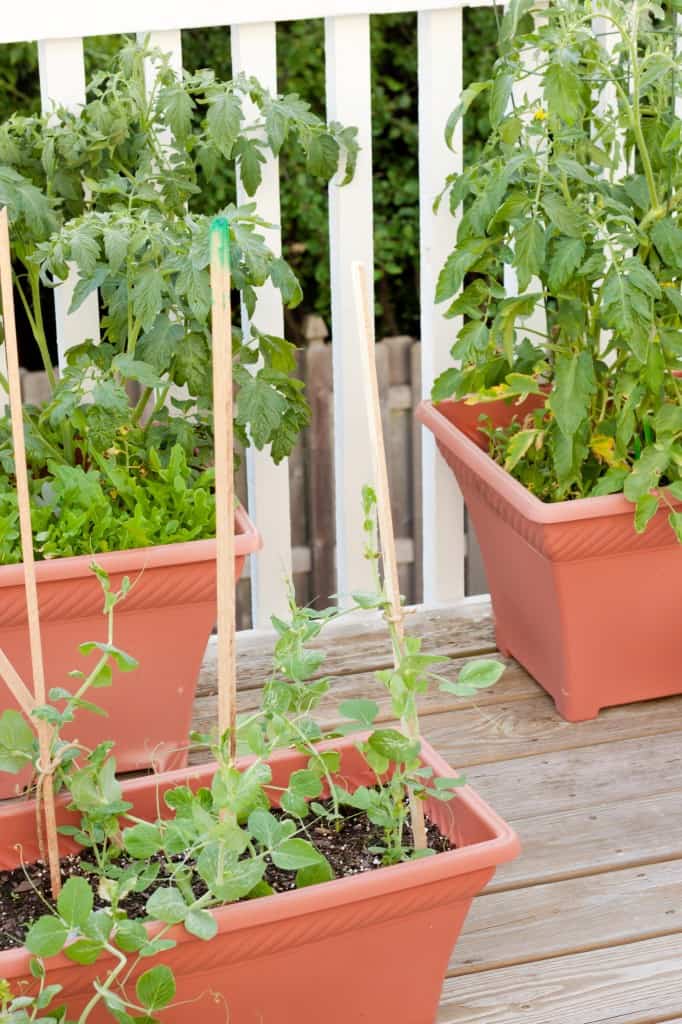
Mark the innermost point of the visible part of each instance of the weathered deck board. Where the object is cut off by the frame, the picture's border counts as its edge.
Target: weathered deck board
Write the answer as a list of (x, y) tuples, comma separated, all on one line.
[(519, 728), (632, 983), (581, 776), (586, 926), (555, 919), (359, 643)]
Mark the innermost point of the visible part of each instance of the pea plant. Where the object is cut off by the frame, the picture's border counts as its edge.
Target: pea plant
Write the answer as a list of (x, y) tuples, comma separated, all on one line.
[(219, 843), (107, 193), (578, 190)]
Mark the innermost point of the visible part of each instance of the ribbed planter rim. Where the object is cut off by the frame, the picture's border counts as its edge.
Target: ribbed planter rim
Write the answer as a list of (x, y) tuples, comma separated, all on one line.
[(529, 505), (247, 539)]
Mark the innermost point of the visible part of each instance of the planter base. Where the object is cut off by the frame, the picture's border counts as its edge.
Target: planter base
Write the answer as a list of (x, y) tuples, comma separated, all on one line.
[(370, 948), (588, 606)]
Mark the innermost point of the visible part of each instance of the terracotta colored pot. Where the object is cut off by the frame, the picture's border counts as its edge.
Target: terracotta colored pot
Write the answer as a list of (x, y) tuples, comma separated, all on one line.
[(165, 622), (590, 607), (373, 947)]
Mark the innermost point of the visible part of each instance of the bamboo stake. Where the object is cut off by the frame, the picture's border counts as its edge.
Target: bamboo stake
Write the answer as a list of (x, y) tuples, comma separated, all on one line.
[(224, 476), (388, 552), (16, 685), (23, 499)]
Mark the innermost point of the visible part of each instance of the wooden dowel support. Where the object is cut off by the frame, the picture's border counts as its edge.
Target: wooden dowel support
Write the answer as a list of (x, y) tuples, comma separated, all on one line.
[(30, 584), (221, 340), (386, 534)]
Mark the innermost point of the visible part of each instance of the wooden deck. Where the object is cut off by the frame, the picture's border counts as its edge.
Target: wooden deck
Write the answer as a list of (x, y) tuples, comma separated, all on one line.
[(586, 926)]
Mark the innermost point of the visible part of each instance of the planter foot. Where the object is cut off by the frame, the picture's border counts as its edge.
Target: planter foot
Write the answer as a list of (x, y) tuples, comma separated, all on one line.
[(574, 711)]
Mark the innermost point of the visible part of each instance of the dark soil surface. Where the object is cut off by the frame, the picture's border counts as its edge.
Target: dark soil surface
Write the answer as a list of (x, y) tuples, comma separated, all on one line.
[(25, 892)]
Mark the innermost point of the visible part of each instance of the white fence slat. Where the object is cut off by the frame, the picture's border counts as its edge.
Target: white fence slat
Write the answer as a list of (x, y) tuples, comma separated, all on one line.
[(348, 74), (62, 83), (440, 85), (21, 21), (254, 52)]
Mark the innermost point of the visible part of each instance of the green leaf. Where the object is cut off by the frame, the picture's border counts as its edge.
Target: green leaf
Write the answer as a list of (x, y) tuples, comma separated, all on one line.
[(176, 105), (75, 902), (675, 520), (509, 310), (323, 155), (574, 385), (667, 237), (135, 369), (394, 745), (156, 987), (518, 446), (250, 159), (265, 827), (223, 121), (192, 363), (17, 741), (260, 407), (611, 483), (481, 673), (360, 710), (283, 277), (529, 252), (646, 472), (147, 296), (142, 840), (451, 276), (668, 419), (567, 255), (466, 99), (86, 286), (46, 937), (499, 98), (645, 509), (564, 217), (202, 924), (314, 874), (167, 905), (131, 936), (84, 951), (125, 662), (294, 854), (561, 88), (305, 783)]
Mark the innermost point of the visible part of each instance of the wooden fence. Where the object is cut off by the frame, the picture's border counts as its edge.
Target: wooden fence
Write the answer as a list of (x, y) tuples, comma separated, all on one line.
[(311, 473)]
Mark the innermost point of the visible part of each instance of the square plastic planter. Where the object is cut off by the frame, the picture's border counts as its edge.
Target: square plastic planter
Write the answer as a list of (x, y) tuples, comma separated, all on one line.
[(371, 948), (587, 605), (164, 622)]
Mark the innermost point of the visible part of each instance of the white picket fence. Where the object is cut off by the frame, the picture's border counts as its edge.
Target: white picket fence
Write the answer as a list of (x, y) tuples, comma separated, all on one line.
[(59, 30)]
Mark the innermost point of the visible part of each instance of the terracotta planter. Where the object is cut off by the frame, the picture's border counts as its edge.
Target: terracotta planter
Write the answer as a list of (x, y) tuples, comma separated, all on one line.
[(372, 948), (165, 622), (587, 605)]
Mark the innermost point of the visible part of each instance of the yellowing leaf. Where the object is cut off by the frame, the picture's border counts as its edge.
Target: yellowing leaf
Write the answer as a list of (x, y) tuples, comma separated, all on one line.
[(603, 447)]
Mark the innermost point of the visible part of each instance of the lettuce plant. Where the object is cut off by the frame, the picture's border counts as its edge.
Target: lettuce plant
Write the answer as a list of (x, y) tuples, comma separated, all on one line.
[(577, 190)]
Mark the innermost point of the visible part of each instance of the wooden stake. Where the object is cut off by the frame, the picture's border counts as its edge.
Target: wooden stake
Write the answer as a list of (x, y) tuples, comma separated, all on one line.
[(23, 499), (17, 686), (388, 552), (224, 476)]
